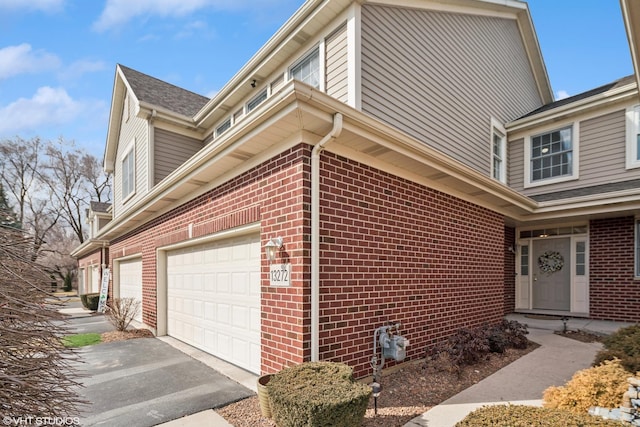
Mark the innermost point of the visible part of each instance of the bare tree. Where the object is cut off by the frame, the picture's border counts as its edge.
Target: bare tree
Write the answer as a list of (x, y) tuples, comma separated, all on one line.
[(75, 179), (19, 161), (99, 181), (36, 374)]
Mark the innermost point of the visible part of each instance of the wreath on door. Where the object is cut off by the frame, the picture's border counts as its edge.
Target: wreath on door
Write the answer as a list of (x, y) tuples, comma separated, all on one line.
[(550, 262)]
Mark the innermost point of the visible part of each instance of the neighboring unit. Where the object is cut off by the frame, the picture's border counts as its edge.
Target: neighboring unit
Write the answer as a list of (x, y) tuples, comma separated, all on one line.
[(411, 159)]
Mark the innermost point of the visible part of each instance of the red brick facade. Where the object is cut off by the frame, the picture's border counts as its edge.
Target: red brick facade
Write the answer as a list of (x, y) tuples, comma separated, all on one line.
[(614, 293), (392, 250), (509, 270), (273, 194)]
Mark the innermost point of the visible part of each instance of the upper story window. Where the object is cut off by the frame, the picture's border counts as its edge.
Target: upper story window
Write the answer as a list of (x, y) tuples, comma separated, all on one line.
[(128, 172), (633, 137), (257, 100), (224, 126), (552, 156), (498, 152), (307, 69)]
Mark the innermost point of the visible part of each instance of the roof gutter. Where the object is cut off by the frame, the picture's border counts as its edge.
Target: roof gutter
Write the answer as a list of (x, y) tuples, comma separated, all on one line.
[(315, 234)]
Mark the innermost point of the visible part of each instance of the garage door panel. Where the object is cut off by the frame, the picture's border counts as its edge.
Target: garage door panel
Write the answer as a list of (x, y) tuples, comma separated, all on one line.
[(211, 289), (131, 282)]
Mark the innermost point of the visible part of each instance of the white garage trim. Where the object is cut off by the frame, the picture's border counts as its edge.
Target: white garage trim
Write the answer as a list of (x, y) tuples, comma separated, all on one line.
[(184, 316), (127, 280)]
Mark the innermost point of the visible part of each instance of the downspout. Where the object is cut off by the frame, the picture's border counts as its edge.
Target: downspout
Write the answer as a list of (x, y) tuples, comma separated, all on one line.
[(315, 234)]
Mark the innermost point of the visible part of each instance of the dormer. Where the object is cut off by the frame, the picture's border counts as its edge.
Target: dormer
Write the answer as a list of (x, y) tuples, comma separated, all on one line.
[(98, 215)]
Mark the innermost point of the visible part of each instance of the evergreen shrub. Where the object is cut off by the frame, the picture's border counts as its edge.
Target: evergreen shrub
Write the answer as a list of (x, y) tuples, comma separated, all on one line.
[(317, 394)]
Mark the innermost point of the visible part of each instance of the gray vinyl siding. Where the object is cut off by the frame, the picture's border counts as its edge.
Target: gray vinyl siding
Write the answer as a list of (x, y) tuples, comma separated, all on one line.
[(440, 77), (601, 152), (171, 151), (515, 164), (134, 128), (337, 65)]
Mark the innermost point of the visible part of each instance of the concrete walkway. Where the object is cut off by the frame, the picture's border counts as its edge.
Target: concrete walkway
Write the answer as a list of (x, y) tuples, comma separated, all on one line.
[(523, 381)]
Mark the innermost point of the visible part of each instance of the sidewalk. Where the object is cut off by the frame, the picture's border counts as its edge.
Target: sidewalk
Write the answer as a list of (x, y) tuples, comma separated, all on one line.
[(523, 381)]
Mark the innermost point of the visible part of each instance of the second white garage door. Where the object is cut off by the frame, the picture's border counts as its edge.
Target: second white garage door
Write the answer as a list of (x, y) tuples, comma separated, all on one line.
[(131, 282), (213, 299)]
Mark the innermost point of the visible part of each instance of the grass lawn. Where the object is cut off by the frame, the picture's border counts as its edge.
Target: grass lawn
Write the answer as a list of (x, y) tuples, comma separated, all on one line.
[(81, 340)]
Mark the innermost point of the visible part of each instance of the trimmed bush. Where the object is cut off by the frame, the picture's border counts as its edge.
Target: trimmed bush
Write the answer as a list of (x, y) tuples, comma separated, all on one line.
[(529, 416), (468, 346), (623, 345), (317, 394), (90, 301), (602, 386)]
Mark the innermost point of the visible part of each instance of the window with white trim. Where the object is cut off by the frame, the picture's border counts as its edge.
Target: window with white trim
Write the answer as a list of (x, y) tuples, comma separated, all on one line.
[(223, 127), (552, 155), (129, 173), (257, 100), (498, 152), (307, 69), (633, 137)]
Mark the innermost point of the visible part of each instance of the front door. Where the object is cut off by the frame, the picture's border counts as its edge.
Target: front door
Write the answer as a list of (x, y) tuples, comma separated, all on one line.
[(551, 268)]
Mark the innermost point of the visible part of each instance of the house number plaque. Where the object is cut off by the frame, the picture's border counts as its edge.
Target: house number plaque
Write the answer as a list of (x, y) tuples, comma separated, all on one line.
[(280, 274)]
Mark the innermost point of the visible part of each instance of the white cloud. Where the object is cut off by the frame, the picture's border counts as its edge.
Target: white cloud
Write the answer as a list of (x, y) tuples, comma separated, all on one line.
[(119, 12), (42, 5), (20, 59), (48, 106), (561, 94)]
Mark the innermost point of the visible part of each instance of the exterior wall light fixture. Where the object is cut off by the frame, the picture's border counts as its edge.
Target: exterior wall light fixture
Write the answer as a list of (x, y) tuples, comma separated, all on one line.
[(271, 247)]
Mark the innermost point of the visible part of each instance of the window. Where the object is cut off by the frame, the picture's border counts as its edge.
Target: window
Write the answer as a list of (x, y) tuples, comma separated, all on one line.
[(551, 155), (633, 137), (223, 127), (307, 70), (498, 152), (259, 99), (581, 258), (128, 173), (524, 260)]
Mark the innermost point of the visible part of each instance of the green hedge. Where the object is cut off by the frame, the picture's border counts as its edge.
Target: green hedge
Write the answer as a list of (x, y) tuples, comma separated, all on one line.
[(90, 301), (529, 416), (318, 394)]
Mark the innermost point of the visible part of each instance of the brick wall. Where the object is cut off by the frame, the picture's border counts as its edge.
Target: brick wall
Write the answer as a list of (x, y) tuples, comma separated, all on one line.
[(509, 270), (392, 250), (614, 293), (275, 194), (92, 259)]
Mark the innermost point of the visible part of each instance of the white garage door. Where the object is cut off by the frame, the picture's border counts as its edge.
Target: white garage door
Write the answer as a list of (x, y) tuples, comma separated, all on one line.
[(131, 282), (94, 281), (213, 299)]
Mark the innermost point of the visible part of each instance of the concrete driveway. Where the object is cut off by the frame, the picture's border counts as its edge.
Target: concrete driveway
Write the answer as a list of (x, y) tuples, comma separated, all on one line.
[(145, 381)]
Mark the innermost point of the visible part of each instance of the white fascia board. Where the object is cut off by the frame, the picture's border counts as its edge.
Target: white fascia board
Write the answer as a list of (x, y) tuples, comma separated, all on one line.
[(601, 100), (146, 112), (630, 15), (243, 77), (120, 88)]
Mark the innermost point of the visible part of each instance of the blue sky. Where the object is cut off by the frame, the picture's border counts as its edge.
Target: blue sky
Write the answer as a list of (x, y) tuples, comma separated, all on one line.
[(57, 57)]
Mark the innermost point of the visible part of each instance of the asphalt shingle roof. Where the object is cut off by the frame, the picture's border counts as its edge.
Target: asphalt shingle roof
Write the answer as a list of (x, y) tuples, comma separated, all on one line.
[(584, 95), (100, 206), (162, 94), (588, 191)]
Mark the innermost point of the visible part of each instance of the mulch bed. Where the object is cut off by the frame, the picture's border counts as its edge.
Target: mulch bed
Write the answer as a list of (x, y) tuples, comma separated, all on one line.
[(126, 335), (582, 336)]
